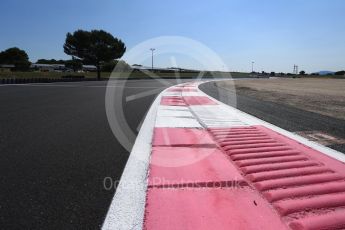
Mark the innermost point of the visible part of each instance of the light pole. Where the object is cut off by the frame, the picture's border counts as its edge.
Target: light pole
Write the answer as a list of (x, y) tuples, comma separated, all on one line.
[(152, 49), (252, 67)]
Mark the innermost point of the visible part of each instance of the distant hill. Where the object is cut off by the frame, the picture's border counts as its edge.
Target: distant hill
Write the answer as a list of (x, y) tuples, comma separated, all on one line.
[(325, 72)]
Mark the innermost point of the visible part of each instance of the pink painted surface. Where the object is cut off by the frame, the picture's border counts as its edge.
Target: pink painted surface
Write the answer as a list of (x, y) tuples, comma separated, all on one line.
[(307, 190), (331, 200), (332, 220), (289, 184), (209, 208), (198, 100), (172, 101), (326, 160), (179, 165), (249, 162), (181, 137), (306, 187), (276, 174)]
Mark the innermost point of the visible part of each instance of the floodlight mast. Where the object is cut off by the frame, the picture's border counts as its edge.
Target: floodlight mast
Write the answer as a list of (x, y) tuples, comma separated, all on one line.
[(152, 49)]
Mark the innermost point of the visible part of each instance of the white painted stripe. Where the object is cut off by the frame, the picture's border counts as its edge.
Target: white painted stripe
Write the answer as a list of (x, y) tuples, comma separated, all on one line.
[(189, 94), (174, 113), (173, 108), (171, 94), (177, 122), (211, 111), (215, 116), (219, 119), (128, 205), (224, 125)]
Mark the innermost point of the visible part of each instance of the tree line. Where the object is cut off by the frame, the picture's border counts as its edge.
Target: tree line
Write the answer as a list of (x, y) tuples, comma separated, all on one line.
[(76, 64), (95, 47), (17, 57)]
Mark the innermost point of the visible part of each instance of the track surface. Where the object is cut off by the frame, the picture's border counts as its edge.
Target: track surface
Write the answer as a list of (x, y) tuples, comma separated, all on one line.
[(56, 148), (286, 117)]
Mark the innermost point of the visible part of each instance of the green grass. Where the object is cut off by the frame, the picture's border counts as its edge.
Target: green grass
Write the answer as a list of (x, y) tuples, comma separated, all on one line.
[(240, 74), (57, 75), (30, 75)]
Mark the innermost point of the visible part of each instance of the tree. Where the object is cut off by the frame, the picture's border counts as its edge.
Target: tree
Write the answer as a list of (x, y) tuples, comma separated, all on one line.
[(51, 61), (272, 74), (342, 72), (96, 47), (110, 66), (17, 57), (74, 64), (302, 72)]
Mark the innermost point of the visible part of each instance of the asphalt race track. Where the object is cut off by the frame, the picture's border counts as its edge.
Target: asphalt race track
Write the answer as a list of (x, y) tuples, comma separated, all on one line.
[(56, 149)]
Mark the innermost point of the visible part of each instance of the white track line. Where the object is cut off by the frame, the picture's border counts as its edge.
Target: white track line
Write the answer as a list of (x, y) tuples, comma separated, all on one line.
[(128, 205)]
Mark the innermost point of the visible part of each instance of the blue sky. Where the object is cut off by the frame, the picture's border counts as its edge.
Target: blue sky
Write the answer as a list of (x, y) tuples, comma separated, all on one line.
[(276, 34)]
